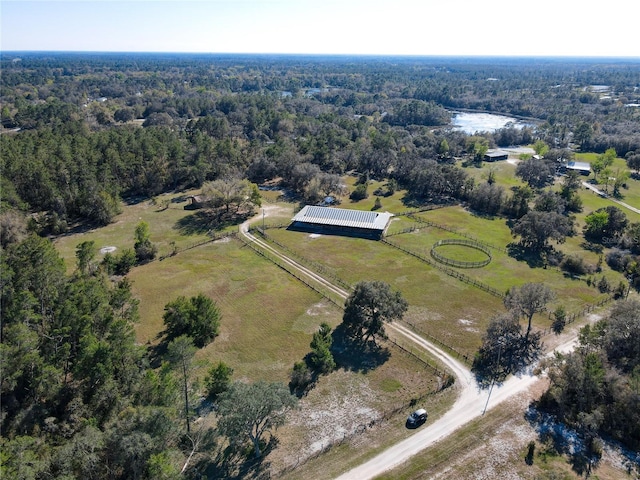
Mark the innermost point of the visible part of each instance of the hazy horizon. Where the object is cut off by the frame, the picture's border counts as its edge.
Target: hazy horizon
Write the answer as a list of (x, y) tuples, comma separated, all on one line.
[(493, 28)]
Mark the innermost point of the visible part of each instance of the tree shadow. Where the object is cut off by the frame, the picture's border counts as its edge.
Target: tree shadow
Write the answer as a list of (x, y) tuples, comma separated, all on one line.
[(514, 359), (180, 199), (592, 246), (236, 462), (357, 356), (205, 221), (533, 258), (156, 353), (562, 439), (134, 199)]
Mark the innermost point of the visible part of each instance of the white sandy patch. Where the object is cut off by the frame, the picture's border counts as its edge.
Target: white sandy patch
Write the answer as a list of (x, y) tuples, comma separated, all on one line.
[(109, 249), (336, 417), (320, 308), (467, 323)]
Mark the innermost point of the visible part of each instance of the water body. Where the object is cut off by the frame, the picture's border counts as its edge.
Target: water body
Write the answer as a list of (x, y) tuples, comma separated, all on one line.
[(483, 122)]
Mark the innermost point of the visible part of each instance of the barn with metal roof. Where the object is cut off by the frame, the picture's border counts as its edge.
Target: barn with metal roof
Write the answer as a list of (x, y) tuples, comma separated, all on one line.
[(584, 168), (340, 221)]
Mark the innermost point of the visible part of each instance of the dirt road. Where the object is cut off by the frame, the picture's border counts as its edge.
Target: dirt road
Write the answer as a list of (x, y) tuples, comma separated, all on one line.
[(602, 194), (470, 404)]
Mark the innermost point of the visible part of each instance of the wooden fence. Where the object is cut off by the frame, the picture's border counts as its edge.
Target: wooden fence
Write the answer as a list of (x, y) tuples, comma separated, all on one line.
[(291, 271), (449, 271), (452, 262), (212, 238)]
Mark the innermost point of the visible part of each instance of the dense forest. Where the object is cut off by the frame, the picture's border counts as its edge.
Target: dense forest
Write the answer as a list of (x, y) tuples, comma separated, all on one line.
[(81, 133), (295, 118)]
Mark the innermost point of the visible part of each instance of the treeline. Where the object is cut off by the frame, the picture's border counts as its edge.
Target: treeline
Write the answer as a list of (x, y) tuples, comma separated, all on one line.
[(558, 93), (267, 117)]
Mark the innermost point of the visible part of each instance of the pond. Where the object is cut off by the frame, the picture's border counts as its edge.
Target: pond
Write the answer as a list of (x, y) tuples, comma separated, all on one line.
[(483, 122)]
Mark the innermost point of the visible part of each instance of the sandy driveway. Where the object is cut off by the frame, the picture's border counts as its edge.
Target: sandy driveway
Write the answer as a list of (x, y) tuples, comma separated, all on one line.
[(470, 405)]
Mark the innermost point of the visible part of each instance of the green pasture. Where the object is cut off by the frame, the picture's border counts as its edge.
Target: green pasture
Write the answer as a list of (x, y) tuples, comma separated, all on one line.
[(490, 230), (393, 203), (267, 315), (504, 272), (166, 218), (440, 305), (503, 172)]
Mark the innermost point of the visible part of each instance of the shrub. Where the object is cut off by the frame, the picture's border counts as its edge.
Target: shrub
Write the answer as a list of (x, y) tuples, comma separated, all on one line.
[(197, 317), (301, 378), (218, 380), (360, 193), (603, 285), (575, 265)]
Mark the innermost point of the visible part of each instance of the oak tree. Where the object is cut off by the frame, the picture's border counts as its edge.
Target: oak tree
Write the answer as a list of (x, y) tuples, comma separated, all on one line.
[(250, 411), (369, 307)]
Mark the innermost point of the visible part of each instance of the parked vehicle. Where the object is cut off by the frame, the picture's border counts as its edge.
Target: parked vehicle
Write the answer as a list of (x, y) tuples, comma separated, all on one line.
[(417, 418)]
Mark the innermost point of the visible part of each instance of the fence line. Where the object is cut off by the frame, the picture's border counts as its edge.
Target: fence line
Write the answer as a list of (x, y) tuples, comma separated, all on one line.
[(314, 265), (460, 276), (464, 357), (572, 317), (429, 223), (212, 238), (273, 259), (410, 351), (459, 263), (386, 415)]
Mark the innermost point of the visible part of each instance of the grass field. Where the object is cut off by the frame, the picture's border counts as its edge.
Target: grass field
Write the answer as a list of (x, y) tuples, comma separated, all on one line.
[(268, 317)]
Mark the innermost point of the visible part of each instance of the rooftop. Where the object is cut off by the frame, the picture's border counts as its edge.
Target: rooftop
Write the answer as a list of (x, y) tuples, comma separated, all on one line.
[(343, 217), (579, 165)]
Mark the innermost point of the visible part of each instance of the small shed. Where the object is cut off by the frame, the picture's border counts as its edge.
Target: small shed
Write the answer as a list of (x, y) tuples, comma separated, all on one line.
[(495, 155), (195, 202)]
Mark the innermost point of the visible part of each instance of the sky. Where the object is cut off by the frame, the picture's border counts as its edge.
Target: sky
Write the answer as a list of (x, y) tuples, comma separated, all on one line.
[(372, 27)]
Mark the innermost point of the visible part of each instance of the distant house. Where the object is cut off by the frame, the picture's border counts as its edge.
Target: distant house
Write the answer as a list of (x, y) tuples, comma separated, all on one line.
[(584, 168), (495, 155), (341, 221)]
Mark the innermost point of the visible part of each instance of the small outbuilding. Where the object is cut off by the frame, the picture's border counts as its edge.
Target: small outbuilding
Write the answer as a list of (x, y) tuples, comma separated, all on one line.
[(495, 155), (340, 221), (195, 202)]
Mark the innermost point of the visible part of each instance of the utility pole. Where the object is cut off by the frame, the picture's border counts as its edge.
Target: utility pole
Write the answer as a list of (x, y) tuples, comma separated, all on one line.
[(493, 380)]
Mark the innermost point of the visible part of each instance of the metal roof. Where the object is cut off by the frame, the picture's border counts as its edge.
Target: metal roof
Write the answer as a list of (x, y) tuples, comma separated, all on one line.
[(579, 166), (497, 153), (342, 217)]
